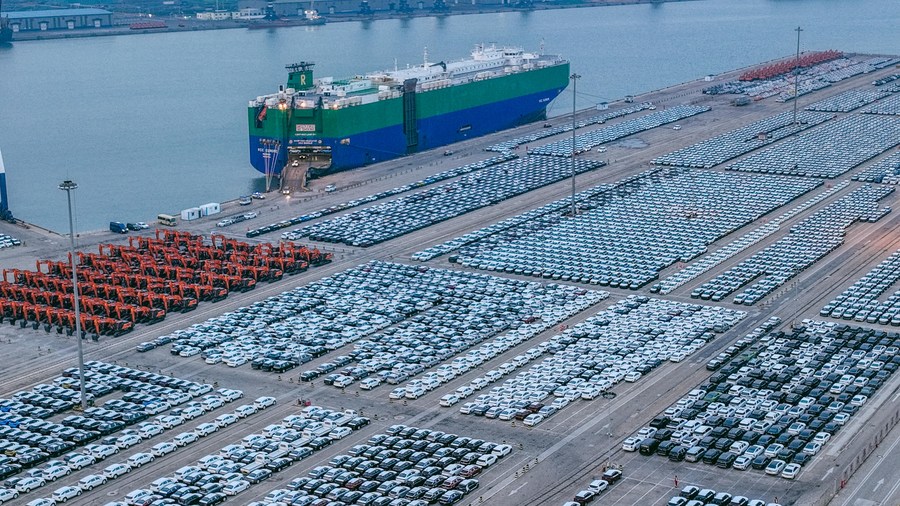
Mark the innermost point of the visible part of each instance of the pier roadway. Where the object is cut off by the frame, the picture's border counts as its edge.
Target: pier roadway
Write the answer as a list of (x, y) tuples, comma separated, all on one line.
[(559, 457)]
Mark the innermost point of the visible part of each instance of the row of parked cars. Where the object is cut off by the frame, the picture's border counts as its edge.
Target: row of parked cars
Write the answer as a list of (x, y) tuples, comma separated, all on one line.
[(885, 171), (29, 439), (828, 151), (566, 126), (596, 488), (8, 241), (692, 495), (808, 241), (110, 420), (235, 468), (723, 147), (889, 106), (404, 466), (489, 186), (429, 323), (774, 406), (628, 235), (848, 100), (436, 178), (623, 343), (739, 245), (522, 224), (860, 301), (589, 140)]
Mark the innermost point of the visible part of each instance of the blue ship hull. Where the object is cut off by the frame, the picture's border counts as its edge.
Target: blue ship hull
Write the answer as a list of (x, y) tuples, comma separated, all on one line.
[(388, 143)]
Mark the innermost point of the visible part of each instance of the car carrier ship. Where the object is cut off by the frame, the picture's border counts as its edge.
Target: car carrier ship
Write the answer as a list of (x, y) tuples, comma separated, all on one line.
[(326, 125)]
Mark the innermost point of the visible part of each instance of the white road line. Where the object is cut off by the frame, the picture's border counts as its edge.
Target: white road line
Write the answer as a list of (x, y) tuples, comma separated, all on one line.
[(513, 491), (865, 479), (601, 429)]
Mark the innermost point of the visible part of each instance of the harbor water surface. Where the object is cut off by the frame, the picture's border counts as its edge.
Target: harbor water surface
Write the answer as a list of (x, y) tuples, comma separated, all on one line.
[(157, 123)]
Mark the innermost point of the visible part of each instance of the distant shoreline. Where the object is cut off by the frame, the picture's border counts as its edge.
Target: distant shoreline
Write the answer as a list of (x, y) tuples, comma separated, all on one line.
[(193, 25)]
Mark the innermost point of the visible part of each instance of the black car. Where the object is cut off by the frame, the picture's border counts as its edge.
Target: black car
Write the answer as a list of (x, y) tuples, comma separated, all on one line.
[(258, 476), (211, 499), (678, 453), (279, 464), (760, 462), (191, 498)]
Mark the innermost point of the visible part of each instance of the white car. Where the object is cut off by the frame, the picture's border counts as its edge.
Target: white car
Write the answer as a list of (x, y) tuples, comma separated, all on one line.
[(128, 440), (631, 444), (192, 412), (343, 382), (148, 430), (78, 462), (154, 408), (245, 410), (598, 486), (209, 460), (100, 452), (742, 462), (339, 433), (235, 362), (486, 460), (116, 470), (139, 459), (43, 501), (812, 448), (369, 383), (790, 471), (63, 494), (136, 496), (185, 438), (163, 448), (501, 450), (225, 420), (55, 472), (230, 394), (211, 402), (90, 481), (264, 402), (533, 419), (30, 483), (275, 495), (8, 494), (397, 393), (822, 437), (205, 429), (162, 482), (449, 400), (235, 487), (171, 421)]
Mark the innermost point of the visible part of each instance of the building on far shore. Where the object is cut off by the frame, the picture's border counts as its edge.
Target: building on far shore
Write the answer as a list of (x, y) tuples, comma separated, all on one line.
[(58, 19), (326, 7)]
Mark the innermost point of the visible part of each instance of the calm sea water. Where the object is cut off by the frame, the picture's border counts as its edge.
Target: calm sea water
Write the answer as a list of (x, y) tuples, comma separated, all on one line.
[(157, 123)]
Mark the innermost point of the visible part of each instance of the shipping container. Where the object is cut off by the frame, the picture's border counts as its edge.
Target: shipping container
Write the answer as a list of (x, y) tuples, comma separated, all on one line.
[(210, 209), (190, 214)]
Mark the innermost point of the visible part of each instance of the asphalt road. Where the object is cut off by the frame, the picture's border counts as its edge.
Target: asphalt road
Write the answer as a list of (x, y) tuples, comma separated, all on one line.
[(553, 461)]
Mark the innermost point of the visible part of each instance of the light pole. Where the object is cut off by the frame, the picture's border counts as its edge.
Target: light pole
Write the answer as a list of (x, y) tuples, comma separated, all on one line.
[(574, 78), (797, 74), (68, 186)]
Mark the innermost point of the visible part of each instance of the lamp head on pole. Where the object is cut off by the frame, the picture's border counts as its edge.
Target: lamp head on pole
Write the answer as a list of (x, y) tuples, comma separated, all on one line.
[(68, 185)]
